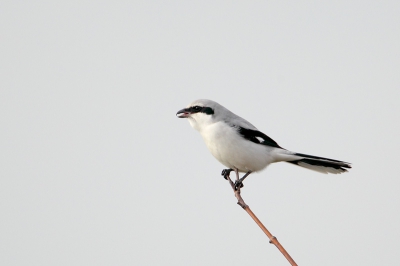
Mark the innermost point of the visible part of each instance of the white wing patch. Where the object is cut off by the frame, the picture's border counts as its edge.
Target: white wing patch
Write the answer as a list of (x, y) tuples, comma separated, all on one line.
[(260, 139)]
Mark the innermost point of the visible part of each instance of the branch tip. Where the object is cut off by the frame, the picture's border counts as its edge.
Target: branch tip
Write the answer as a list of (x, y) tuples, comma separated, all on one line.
[(273, 239)]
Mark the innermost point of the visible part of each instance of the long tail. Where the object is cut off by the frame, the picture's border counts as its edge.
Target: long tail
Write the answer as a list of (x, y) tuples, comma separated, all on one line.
[(320, 164)]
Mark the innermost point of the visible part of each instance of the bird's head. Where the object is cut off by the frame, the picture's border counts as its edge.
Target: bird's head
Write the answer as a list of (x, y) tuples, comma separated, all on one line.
[(200, 113)]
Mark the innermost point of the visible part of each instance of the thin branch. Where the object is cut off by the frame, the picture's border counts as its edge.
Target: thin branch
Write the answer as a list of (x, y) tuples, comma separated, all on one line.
[(272, 239)]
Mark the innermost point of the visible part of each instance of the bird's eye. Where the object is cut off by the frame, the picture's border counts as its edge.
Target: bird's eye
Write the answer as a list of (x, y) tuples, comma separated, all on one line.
[(197, 108)]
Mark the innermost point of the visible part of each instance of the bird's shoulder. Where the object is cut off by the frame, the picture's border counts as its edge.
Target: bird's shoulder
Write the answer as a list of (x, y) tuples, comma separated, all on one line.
[(246, 130)]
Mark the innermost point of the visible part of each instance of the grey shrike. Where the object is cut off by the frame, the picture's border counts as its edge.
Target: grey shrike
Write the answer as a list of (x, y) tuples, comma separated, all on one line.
[(241, 147)]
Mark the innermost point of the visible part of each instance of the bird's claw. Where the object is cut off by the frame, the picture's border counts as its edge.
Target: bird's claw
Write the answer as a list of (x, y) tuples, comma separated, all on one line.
[(238, 184), (225, 173)]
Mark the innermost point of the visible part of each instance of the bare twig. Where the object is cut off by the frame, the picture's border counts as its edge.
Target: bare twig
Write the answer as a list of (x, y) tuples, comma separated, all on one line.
[(272, 239)]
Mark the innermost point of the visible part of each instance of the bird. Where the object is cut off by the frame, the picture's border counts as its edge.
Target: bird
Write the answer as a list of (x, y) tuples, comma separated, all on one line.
[(241, 147)]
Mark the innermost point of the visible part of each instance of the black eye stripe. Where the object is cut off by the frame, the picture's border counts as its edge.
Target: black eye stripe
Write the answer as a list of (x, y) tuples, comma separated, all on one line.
[(195, 109), (207, 110), (201, 109)]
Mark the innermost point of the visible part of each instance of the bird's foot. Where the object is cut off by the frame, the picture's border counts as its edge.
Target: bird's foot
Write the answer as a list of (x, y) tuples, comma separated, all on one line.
[(238, 184), (225, 173)]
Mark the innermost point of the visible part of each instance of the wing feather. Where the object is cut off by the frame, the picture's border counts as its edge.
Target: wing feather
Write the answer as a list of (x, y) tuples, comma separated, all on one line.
[(257, 137)]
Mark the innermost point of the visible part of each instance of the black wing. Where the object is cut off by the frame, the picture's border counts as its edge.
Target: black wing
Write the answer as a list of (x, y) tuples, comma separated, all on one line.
[(257, 137)]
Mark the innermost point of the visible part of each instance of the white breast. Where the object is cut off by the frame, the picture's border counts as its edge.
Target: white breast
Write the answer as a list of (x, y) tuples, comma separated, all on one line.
[(233, 151)]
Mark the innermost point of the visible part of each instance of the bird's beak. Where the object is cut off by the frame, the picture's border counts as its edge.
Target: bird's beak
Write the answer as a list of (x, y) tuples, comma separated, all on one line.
[(184, 113)]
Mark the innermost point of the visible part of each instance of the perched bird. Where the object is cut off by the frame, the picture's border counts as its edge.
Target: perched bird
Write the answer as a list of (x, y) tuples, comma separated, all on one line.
[(241, 147)]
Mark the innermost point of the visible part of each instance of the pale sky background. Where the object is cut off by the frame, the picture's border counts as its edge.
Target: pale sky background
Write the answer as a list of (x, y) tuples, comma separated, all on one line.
[(95, 168)]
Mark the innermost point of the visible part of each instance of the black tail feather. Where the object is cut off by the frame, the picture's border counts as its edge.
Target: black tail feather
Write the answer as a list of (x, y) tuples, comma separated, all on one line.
[(321, 164)]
